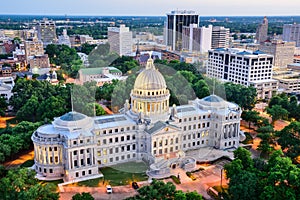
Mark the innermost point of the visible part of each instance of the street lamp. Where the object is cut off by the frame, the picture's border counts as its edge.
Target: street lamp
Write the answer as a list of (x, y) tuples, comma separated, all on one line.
[(221, 176)]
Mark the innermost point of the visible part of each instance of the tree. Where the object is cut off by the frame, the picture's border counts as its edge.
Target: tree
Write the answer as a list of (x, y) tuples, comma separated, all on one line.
[(29, 110), (3, 106), (267, 139), (241, 95), (289, 139), (21, 184), (250, 116), (87, 48), (83, 196), (245, 156), (277, 112)]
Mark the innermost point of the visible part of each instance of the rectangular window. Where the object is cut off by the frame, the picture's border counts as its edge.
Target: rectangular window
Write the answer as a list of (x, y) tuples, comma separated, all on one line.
[(104, 141), (74, 153), (128, 137), (133, 147), (88, 161), (90, 171), (77, 174), (128, 147), (110, 151), (111, 160), (110, 140), (117, 150), (122, 139), (81, 151)]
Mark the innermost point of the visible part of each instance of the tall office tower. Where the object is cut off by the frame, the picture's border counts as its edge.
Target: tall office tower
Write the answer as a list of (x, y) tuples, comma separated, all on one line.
[(120, 40), (47, 31), (291, 33), (196, 39), (243, 67), (220, 37), (262, 31), (282, 51), (176, 20)]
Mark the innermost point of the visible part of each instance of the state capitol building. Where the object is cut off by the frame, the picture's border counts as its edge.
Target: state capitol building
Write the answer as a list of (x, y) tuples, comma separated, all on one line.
[(75, 146)]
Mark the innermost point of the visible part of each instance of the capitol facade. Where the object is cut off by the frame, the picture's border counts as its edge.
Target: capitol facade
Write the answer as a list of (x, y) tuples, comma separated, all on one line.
[(75, 146)]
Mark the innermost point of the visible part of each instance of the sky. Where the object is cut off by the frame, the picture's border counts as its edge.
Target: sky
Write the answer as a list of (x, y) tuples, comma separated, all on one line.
[(151, 7)]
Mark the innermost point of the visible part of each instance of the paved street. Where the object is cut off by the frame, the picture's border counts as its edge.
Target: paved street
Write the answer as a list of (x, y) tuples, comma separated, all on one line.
[(19, 161)]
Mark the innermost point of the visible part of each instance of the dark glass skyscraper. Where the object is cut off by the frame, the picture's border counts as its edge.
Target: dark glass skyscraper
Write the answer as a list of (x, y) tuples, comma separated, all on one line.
[(176, 20)]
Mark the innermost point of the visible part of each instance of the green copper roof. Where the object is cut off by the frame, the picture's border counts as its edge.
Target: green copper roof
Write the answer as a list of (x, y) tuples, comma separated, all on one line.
[(98, 70)]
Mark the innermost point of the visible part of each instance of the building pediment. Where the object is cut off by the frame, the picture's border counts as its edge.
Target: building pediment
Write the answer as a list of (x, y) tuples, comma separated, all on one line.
[(162, 128)]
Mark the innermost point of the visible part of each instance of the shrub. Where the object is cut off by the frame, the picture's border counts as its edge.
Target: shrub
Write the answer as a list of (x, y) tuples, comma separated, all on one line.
[(189, 174), (175, 179)]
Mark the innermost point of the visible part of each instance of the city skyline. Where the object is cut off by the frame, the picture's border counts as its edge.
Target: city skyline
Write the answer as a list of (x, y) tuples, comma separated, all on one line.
[(153, 8)]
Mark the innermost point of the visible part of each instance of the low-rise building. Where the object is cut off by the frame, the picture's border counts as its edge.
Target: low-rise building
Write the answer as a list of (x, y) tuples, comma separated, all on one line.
[(6, 86), (101, 75), (39, 61)]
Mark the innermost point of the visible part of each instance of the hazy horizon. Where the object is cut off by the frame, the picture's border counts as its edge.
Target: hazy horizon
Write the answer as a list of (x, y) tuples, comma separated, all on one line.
[(151, 8)]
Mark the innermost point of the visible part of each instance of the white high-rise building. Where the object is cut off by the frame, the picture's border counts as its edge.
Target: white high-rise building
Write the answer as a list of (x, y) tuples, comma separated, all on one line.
[(291, 33), (243, 67), (120, 40), (220, 37), (196, 38)]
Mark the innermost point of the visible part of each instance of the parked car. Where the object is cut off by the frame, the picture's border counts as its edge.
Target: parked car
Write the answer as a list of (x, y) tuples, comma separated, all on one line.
[(135, 185), (108, 189)]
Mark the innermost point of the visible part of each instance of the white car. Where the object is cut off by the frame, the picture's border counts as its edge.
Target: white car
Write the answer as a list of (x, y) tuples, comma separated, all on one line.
[(108, 189)]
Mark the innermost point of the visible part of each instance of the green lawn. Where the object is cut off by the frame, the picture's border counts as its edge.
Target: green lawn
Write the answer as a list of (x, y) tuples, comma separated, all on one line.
[(53, 183), (27, 163), (122, 174)]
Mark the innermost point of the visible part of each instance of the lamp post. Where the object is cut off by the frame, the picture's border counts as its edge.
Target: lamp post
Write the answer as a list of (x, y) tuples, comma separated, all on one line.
[(221, 176)]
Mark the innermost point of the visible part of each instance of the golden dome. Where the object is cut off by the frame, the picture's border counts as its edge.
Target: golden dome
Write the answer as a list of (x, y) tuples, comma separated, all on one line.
[(150, 78)]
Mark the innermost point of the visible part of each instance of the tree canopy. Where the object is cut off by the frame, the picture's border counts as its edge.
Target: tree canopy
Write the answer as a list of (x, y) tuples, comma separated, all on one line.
[(256, 179), (83, 196), (163, 191), (21, 184)]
